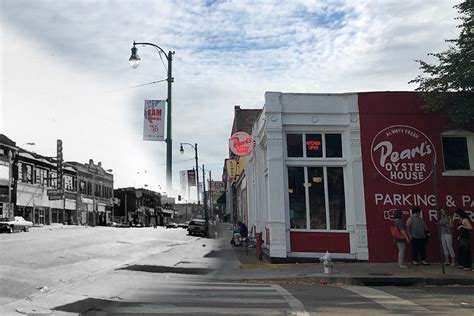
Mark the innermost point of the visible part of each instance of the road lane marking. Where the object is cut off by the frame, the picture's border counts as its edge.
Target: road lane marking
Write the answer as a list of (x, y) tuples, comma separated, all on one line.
[(386, 300), (295, 304)]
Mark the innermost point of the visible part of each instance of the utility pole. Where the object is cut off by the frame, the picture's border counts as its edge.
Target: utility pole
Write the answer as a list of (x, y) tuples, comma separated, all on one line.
[(206, 216), (211, 202), (438, 211)]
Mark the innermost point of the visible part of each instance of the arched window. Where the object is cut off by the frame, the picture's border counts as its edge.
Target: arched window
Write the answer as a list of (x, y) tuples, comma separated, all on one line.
[(458, 152)]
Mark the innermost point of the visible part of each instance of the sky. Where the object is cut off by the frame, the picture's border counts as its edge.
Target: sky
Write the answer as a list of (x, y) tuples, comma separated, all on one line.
[(65, 72)]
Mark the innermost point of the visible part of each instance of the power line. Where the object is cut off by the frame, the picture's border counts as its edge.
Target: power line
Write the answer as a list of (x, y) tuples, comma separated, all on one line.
[(140, 85)]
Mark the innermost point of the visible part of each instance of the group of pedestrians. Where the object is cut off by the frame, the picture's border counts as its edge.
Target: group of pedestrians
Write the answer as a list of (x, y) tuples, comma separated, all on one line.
[(416, 232)]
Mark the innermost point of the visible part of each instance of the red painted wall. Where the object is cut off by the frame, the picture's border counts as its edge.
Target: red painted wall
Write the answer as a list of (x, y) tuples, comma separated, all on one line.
[(319, 242), (404, 179)]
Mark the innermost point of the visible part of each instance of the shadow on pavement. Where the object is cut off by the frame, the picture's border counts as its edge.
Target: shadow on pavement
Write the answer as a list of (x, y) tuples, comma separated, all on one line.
[(163, 269)]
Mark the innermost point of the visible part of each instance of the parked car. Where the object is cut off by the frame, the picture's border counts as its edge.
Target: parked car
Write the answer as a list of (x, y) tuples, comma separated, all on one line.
[(183, 225), (171, 225), (198, 227), (11, 224)]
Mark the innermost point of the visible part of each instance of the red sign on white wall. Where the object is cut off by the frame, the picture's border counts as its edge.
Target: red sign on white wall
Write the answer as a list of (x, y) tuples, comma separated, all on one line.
[(241, 144)]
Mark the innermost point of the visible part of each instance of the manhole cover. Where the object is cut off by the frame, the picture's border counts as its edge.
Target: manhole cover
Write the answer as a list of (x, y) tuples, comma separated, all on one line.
[(381, 274)]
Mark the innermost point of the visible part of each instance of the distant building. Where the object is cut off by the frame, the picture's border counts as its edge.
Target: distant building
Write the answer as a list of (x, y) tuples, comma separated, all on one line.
[(32, 176), (139, 207), (95, 193), (236, 187), (7, 188)]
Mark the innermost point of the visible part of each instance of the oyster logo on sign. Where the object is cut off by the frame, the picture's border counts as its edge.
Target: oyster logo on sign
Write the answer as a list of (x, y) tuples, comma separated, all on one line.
[(402, 155)]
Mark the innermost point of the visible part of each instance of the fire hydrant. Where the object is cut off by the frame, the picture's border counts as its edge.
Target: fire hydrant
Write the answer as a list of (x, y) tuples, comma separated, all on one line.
[(327, 263)]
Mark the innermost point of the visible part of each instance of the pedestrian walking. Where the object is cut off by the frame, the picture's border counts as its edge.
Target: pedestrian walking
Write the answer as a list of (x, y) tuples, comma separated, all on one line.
[(400, 236), (418, 232), (464, 250), (446, 224)]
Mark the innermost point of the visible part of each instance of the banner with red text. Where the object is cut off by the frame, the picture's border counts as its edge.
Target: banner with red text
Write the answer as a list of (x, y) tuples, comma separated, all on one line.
[(154, 120)]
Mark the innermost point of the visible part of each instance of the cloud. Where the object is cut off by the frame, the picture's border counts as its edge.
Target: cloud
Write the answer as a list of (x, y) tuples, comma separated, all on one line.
[(65, 67)]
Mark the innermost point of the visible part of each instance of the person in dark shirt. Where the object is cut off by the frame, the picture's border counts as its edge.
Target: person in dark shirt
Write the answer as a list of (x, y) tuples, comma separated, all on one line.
[(241, 232), (464, 250)]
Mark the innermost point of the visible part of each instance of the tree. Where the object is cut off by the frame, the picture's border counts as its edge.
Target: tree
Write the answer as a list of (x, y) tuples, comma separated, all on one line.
[(448, 87)]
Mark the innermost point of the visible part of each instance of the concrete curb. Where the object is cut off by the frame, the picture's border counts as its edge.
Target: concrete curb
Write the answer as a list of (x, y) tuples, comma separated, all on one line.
[(324, 279), (344, 279)]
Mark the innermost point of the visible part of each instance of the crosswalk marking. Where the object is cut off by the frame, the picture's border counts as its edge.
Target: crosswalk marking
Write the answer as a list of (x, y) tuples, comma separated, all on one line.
[(208, 297), (386, 300), (295, 304)]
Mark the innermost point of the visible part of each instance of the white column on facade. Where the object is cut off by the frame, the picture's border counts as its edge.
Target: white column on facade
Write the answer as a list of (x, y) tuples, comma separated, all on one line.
[(251, 192), (275, 162), (358, 241)]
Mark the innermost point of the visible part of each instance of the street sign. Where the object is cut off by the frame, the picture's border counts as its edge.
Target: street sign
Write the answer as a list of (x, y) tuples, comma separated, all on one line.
[(55, 194)]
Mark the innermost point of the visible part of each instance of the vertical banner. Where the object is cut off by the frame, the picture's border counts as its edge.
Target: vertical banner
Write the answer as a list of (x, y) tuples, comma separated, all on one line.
[(183, 179), (154, 123), (231, 166), (59, 164), (192, 178)]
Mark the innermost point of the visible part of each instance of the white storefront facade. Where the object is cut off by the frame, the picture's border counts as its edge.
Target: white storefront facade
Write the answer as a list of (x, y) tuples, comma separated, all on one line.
[(304, 178), (328, 171)]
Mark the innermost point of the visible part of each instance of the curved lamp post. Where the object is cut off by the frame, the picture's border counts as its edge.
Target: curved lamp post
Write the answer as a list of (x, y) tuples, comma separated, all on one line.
[(134, 62), (195, 147)]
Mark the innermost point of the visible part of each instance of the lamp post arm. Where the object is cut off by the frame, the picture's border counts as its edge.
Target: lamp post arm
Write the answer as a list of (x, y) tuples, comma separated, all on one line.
[(156, 46)]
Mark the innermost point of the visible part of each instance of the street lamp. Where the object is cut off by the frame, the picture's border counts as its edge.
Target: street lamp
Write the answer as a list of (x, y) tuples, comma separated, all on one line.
[(195, 147), (134, 62)]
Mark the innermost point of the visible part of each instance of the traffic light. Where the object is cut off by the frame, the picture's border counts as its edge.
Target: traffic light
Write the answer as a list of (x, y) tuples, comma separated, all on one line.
[(179, 197)]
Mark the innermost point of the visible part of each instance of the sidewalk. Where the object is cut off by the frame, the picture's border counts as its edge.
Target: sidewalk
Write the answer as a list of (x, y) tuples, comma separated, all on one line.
[(56, 226), (249, 268)]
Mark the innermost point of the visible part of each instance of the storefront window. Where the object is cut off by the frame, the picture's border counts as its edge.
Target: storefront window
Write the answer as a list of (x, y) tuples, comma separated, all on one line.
[(44, 177), (333, 145), (68, 184), (296, 192), (38, 176), (25, 173), (455, 153), (314, 145), (325, 194), (54, 179), (317, 145), (294, 145), (317, 199), (337, 204)]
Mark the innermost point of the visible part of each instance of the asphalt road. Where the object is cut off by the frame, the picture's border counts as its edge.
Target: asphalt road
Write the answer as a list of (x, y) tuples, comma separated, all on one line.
[(44, 258), (137, 271)]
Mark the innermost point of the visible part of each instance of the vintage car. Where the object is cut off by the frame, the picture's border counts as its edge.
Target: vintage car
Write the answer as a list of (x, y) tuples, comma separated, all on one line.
[(183, 225), (171, 225), (11, 224), (198, 227)]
